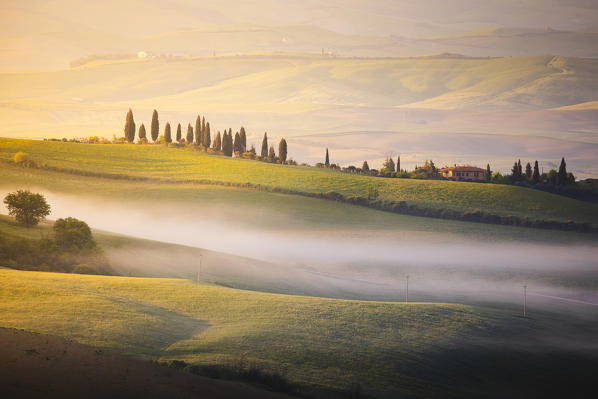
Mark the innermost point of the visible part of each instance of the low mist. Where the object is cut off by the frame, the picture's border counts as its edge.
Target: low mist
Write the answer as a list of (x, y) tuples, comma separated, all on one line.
[(360, 264)]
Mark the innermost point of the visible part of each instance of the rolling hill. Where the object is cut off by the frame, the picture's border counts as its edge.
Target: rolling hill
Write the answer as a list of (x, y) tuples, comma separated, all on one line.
[(189, 167), (450, 109), (382, 349)]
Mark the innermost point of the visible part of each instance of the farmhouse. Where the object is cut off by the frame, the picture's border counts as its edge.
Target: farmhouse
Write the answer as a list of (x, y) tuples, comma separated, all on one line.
[(463, 173)]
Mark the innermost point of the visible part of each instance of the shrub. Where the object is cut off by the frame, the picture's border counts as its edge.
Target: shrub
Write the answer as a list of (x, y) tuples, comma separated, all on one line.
[(23, 159), (73, 233)]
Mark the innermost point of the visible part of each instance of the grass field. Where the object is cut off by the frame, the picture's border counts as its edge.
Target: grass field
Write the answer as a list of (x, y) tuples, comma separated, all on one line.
[(318, 341), (389, 349), (178, 164)]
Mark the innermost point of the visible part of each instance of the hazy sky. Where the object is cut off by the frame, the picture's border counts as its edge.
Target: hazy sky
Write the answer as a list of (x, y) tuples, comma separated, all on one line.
[(48, 34), (382, 17)]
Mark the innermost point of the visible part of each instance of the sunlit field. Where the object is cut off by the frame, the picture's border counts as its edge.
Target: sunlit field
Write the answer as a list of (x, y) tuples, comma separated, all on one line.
[(320, 343), (177, 164)]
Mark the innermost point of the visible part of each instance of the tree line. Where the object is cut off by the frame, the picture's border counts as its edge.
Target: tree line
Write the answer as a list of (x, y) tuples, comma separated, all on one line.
[(200, 137), (531, 176)]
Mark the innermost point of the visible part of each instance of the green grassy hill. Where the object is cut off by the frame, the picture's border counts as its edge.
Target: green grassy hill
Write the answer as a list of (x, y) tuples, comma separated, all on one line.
[(388, 349), (318, 341), (175, 164)]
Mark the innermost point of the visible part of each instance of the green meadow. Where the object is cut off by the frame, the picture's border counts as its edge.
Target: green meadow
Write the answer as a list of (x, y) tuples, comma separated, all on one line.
[(388, 349), (186, 166), (321, 342)]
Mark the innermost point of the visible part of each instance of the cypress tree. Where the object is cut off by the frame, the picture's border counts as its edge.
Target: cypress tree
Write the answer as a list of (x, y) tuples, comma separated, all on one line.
[(398, 163), (155, 128), (488, 173), (202, 136), (243, 137), (272, 154), (519, 170), (217, 145), (189, 133), (536, 174), (167, 136), (528, 171), (237, 143), (265, 146), (179, 135), (515, 172), (224, 143), (327, 162), (282, 150), (141, 132), (206, 136), (198, 130), (561, 177), (229, 143), (365, 167), (130, 127)]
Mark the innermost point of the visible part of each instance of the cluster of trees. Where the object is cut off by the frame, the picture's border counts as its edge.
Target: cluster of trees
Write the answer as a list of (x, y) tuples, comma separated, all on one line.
[(200, 137), (71, 250), (533, 176)]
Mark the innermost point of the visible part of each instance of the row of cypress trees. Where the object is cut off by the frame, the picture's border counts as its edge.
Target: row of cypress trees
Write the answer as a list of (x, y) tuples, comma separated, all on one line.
[(200, 136), (533, 176)]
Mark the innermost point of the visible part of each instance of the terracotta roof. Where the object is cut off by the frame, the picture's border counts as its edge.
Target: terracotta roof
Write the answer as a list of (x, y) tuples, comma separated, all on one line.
[(463, 169)]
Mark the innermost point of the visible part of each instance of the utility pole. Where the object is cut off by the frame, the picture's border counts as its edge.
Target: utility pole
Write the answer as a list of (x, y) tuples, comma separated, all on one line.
[(199, 268), (407, 290), (524, 300)]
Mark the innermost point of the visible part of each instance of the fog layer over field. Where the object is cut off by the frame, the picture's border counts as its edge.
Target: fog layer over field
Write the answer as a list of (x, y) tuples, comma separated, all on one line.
[(297, 257)]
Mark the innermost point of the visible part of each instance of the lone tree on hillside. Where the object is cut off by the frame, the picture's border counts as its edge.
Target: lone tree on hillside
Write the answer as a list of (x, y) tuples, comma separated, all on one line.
[(327, 162), (561, 177), (27, 208), (198, 130), (155, 129), (189, 133), (179, 135), (130, 127), (536, 173), (73, 233), (365, 167), (167, 136), (264, 152), (142, 132), (243, 137), (282, 150)]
